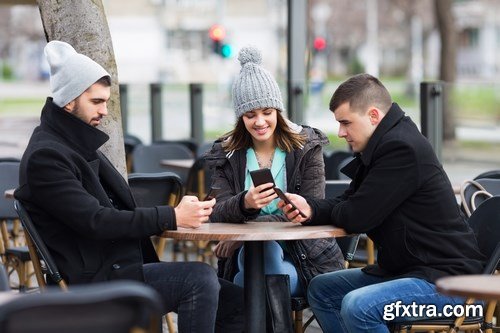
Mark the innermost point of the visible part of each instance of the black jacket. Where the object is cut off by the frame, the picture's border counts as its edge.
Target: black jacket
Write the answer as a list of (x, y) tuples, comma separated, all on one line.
[(305, 173), (81, 206), (402, 198)]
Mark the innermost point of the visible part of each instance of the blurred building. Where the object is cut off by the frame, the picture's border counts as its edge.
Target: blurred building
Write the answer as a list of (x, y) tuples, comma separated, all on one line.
[(168, 40)]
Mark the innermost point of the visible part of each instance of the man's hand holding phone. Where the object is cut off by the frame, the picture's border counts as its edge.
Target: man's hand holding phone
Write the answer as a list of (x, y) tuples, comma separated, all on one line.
[(295, 207)]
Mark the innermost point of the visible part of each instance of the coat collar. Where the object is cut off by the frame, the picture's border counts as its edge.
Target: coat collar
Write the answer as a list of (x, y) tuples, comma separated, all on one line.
[(82, 137), (393, 116)]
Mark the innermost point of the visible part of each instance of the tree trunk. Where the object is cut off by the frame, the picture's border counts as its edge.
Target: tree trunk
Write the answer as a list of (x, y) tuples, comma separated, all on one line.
[(447, 72), (83, 24)]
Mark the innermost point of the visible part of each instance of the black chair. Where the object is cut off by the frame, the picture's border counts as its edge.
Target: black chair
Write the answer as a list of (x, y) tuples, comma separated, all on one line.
[(147, 158), (130, 141), (109, 307), (13, 252), (474, 192), (485, 221), (42, 260), (199, 179), (203, 148), (495, 174), (332, 162), (188, 143), (156, 189)]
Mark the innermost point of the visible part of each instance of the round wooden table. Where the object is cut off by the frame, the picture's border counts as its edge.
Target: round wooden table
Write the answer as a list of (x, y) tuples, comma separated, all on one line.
[(254, 234), (484, 287)]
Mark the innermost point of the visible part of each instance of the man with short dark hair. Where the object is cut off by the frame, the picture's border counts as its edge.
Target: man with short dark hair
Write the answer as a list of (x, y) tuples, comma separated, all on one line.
[(402, 198), (85, 212)]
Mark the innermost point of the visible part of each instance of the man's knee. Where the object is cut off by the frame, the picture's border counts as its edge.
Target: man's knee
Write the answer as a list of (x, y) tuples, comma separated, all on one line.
[(205, 276), (316, 289), (352, 305)]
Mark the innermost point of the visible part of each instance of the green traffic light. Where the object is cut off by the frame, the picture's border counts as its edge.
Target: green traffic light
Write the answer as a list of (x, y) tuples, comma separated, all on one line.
[(226, 51)]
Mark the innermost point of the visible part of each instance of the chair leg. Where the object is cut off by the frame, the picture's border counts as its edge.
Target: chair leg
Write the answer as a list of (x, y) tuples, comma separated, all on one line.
[(370, 251), (170, 323), (160, 247), (298, 321)]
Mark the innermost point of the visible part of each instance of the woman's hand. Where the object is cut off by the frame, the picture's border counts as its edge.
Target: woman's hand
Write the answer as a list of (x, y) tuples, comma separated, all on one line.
[(260, 196), (225, 249)]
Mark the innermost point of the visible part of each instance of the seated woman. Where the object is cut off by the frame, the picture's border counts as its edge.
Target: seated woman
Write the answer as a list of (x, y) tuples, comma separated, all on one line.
[(263, 138)]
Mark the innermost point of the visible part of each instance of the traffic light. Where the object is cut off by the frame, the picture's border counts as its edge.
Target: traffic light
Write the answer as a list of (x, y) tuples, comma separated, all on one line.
[(319, 44), (217, 33), (226, 51)]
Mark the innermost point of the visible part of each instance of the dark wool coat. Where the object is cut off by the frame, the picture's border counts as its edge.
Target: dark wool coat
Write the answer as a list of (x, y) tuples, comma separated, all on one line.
[(305, 173), (81, 206), (402, 198)]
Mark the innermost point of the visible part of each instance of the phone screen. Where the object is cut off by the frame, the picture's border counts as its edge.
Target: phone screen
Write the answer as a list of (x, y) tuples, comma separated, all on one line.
[(261, 176), (283, 197)]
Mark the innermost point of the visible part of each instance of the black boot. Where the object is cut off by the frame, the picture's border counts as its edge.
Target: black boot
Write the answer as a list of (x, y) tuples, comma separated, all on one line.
[(279, 303)]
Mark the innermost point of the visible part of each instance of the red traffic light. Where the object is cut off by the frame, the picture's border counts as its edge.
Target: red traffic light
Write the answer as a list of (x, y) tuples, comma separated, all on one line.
[(319, 43), (217, 32)]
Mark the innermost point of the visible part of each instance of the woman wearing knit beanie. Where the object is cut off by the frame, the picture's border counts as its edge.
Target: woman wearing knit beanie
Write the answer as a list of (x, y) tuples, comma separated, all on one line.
[(264, 138)]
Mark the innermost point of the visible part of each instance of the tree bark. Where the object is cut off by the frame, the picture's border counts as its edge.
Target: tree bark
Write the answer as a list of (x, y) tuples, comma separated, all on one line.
[(447, 72), (83, 24)]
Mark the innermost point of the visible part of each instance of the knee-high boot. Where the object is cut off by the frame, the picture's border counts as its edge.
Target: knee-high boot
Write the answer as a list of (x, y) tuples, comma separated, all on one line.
[(279, 303)]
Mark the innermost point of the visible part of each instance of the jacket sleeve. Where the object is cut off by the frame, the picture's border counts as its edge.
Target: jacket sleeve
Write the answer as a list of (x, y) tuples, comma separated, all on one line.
[(392, 178), (313, 175), (56, 184), (229, 204)]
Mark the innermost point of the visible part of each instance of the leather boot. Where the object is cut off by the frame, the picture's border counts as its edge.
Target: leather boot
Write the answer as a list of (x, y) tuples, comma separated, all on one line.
[(279, 303)]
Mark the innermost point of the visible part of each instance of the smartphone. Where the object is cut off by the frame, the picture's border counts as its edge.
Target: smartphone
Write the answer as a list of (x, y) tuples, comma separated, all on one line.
[(261, 176), (283, 197), (212, 193)]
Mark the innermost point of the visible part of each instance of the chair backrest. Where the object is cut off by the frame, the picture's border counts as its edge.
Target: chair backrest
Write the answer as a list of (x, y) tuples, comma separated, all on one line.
[(475, 192), (9, 179), (147, 158), (485, 221), (155, 189), (130, 141), (334, 188), (489, 174), (332, 162), (109, 307), (188, 143), (38, 250), (199, 178), (203, 148)]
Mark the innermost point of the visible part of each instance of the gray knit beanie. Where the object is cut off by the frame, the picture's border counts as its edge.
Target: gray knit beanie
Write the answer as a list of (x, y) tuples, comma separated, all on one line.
[(71, 73), (254, 88)]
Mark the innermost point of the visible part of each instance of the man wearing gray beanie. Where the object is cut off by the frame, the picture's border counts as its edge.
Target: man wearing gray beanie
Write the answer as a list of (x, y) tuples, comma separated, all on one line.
[(86, 214)]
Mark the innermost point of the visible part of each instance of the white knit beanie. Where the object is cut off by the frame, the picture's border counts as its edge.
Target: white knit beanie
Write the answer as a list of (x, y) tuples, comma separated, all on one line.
[(255, 87), (71, 73)]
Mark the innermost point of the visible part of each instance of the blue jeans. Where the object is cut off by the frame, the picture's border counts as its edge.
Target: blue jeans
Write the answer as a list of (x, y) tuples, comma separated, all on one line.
[(203, 302), (353, 301), (275, 262)]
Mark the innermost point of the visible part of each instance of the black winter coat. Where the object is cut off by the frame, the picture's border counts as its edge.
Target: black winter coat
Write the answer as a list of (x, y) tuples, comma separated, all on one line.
[(305, 173), (402, 198), (81, 206)]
